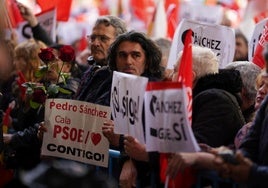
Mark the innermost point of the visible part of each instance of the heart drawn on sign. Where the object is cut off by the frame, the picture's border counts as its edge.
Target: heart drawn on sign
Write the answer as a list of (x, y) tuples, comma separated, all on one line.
[(96, 138)]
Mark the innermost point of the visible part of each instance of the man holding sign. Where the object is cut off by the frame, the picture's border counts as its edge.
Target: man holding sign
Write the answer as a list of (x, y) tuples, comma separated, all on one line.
[(133, 53)]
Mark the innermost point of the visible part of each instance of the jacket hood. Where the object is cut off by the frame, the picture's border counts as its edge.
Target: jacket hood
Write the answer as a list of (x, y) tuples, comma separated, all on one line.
[(228, 80)]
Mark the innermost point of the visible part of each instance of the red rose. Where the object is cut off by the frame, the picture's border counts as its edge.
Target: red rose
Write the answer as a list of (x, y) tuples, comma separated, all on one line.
[(39, 96), (67, 53), (46, 55)]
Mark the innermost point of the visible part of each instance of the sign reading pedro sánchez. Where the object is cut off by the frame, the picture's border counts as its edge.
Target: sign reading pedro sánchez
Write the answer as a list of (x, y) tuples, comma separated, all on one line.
[(74, 131)]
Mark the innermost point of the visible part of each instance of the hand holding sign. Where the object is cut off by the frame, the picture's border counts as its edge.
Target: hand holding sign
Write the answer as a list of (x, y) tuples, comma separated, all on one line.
[(108, 132), (75, 133), (135, 149)]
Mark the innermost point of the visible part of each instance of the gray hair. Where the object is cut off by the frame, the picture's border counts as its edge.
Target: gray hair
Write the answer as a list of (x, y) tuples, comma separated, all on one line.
[(249, 72), (205, 61), (117, 23)]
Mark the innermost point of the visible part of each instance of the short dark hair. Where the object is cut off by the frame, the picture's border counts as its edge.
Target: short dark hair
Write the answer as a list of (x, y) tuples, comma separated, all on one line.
[(153, 53)]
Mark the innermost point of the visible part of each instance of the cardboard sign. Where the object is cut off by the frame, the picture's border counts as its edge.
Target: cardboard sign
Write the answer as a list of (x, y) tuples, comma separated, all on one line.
[(167, 123), (253, 43), (75, 131), (127, 95), (46, 19), (220, 39)]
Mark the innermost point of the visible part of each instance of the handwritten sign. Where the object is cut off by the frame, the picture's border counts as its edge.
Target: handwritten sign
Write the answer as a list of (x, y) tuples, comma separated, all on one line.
[(127, 95), (75, 131), (220, 39), (167, 126)]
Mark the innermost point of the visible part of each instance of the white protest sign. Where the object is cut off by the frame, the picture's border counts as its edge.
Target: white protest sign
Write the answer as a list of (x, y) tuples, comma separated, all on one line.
[(75, 131), (167, 123), (253, 43), (46, 19), (207, 14), (220, 39), (127, 95)]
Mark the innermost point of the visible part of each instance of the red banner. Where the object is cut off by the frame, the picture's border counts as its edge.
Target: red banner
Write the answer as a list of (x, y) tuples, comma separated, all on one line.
[(63, 7)]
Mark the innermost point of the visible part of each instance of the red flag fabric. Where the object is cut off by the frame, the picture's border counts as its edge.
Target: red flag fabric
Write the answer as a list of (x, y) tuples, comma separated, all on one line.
[(261, 16), (103, 7), (63, 7), (6, 119), (172, 11), (185, 69), (258, 54), (188, 178), (83, 42), (13, 13), (143, 9)]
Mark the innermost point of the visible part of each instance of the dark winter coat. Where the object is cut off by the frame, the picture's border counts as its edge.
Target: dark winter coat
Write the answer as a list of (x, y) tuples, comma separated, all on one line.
[(255, 147), (216, 112)]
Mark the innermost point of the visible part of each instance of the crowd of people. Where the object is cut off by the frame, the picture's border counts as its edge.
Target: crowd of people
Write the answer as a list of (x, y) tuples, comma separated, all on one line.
[(229, 108)]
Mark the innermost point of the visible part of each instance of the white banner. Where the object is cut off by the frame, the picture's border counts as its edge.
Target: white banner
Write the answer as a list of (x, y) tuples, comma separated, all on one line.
[(208, 14), (220, 39), (46, 19), (127, 95), (167, 126), (253, 43), (75, 131)]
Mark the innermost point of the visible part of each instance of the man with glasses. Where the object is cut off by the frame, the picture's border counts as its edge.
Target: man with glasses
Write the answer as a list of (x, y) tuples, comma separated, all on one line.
[(104, 32)]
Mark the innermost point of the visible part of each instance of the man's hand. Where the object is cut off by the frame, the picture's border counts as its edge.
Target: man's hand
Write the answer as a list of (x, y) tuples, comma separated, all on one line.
[(135, 149), (27, 14)]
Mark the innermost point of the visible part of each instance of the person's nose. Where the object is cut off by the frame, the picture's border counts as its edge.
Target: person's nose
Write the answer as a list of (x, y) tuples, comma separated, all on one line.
[(128, 60), (263, 89), (96, 42)]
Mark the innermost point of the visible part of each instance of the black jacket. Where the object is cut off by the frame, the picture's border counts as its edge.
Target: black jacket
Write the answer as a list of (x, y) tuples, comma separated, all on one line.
[(216, 112), (255, 147), (25, 143)]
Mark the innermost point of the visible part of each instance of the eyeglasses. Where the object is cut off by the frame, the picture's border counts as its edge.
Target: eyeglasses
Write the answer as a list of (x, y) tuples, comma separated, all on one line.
[(102, 38)]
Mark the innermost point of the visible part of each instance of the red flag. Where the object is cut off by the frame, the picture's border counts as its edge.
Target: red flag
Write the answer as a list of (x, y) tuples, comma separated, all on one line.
[(63, 7), (172, 11), (143, 9), (188, 177), (185, 69), (13, 13), (6, 119), (83, 42), (185, 72), (261, 16), (103, 7), (258, 54)]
